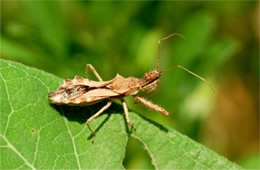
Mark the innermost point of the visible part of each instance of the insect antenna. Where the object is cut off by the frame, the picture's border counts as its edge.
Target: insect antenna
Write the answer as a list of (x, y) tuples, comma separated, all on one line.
[(159, 47), (185, 69)]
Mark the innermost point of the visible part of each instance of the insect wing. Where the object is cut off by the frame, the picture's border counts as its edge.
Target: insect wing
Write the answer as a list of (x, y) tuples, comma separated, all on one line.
[(93, 96)]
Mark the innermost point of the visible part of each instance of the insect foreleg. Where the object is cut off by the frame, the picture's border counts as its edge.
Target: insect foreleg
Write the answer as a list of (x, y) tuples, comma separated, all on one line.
[(89, 66), (150, 88), (95, 115), (152, 106), (127, 114)]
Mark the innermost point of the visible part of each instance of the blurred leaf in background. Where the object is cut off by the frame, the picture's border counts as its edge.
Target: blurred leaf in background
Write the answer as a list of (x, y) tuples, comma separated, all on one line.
[(222, 45)]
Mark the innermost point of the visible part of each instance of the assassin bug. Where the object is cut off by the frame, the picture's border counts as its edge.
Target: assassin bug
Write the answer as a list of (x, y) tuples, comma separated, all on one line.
[(82, 91)]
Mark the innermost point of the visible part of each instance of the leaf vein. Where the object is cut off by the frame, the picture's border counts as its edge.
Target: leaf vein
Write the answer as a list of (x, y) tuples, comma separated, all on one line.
[(12, 147), (148, 150), (72, 139), (37, 147), (10, 103)]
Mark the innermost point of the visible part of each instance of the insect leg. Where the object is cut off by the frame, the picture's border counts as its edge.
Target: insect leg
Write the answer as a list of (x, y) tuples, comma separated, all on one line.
[(127, 114), (152, 87), (89, 66), (152, 106), (95, 115)]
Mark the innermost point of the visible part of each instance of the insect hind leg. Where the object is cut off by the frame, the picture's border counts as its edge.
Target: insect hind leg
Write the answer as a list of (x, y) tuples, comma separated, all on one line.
[(92, 68), (96, 115)]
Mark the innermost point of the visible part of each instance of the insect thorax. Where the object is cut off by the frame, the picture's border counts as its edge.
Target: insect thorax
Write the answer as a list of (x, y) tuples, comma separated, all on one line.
[(126, 86)]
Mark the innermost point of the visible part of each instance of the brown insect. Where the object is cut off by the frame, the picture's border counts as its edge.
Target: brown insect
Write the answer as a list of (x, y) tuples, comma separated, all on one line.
[(82, 91)]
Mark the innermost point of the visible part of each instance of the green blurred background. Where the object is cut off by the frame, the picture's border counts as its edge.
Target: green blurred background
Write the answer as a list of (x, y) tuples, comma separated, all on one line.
[(222, 45)]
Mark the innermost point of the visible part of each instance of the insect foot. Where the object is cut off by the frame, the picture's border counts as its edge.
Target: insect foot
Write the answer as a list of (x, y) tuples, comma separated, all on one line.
[(92, 133), (94, 116), (132, 125)]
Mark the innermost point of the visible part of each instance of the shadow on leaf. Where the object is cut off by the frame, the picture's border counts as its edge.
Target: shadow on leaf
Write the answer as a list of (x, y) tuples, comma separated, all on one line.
[(81, 114)]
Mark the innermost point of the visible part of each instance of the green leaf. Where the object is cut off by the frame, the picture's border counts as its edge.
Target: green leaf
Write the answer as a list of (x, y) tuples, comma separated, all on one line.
[(37, 135)]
